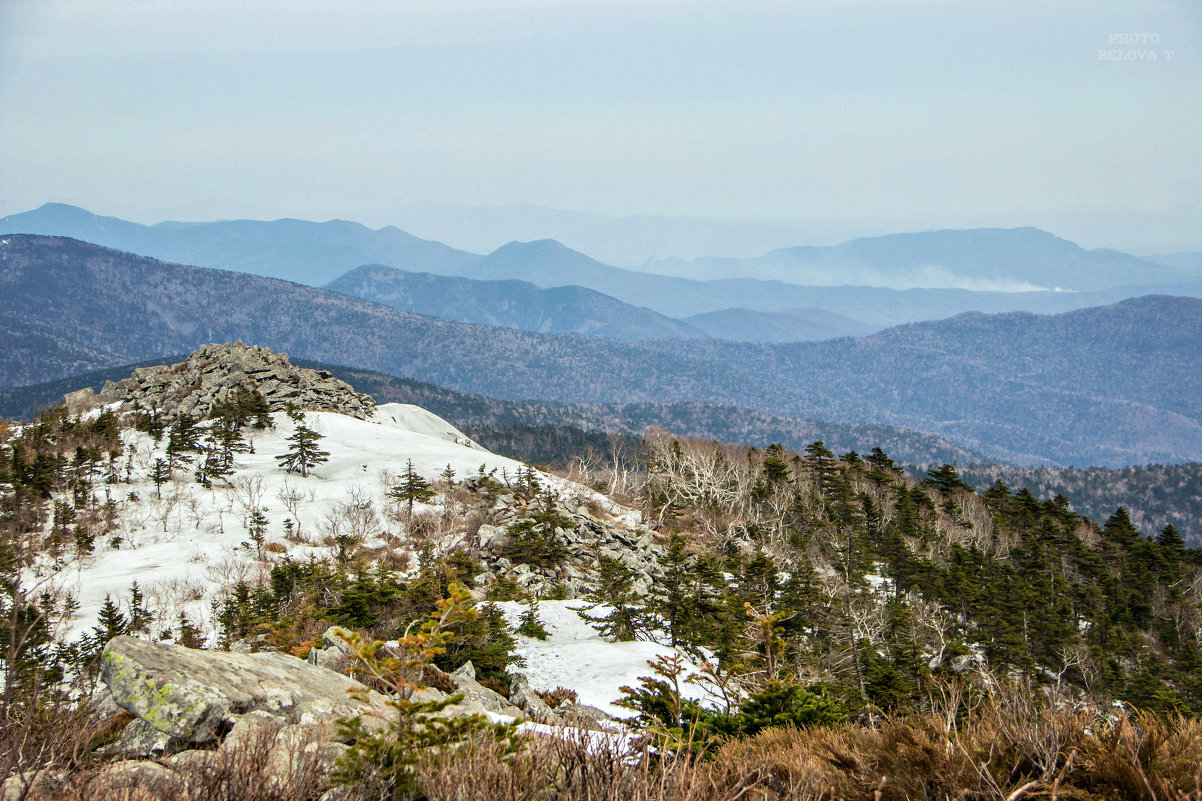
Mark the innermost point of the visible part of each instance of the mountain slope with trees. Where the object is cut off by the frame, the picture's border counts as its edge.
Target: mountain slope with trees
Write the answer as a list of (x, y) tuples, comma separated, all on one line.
[(1018, 387), (510, 303)]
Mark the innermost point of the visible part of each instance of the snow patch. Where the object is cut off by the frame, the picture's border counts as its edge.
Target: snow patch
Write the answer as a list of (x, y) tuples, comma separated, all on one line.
[(577, 657)]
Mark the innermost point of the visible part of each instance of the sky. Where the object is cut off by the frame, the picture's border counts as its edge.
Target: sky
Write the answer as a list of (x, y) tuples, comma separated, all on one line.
[(877, 113)]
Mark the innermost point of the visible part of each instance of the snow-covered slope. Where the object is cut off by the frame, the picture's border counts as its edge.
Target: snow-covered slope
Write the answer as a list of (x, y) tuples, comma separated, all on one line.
[(184, 543), (577, 657)]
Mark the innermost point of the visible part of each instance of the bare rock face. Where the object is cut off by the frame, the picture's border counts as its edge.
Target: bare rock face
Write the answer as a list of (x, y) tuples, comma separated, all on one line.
[(214, 371), (196, 695)]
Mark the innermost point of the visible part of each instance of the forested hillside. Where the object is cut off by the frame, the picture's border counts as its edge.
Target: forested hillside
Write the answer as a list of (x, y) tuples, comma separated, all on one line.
[(510, 303), (1156, 495), (554, 433), (1017, 387), (794, 600)]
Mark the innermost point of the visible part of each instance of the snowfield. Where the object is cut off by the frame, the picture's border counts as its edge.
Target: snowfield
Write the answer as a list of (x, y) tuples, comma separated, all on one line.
[(185, 544), (184, 547)]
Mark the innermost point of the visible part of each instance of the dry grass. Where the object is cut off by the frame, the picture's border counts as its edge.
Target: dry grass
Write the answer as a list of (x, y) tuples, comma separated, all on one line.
[(1008, 747), (266, 766)]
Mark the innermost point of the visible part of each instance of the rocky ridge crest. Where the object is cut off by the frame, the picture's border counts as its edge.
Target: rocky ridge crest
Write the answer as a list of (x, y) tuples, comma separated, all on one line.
[(213, 371)]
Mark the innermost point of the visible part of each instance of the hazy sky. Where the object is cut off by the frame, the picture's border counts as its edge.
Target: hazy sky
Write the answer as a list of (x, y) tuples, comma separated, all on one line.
[(842, 109)]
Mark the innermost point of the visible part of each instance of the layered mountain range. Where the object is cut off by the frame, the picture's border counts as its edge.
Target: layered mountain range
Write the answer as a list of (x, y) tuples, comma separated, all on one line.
[(1110, 386), (876, 282)]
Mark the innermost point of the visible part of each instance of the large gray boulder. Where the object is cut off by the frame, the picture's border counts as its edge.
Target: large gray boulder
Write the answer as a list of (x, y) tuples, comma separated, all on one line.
[(195, 695)]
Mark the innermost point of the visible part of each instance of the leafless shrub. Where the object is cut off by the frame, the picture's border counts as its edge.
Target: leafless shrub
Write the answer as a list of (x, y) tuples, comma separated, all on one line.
[(558, 696), (269, 764)]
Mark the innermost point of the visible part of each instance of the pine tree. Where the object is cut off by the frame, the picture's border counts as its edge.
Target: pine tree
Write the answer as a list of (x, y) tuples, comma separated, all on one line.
[(303, 454), (946, 479), (189, 634), (183, 439), (671, 599), (529, 623), (822, 466), (160, 475), (227, 440), (256, 526), (110, 622), (615, 588), (139, 615), (411, 489)]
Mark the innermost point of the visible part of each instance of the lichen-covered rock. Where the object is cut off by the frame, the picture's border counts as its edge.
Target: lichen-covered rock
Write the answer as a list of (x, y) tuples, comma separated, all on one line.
[(139, 739), (214, 371), (193, 695)]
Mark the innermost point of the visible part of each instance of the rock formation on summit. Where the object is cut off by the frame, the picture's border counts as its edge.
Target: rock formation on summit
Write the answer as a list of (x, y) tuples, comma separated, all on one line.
[(214, 371)]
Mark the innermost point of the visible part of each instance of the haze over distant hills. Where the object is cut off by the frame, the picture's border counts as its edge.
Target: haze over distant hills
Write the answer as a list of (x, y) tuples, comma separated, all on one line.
[(633, 240), (1111, 386), (790, 325), (317, 253), (576, 310), (991, 259)]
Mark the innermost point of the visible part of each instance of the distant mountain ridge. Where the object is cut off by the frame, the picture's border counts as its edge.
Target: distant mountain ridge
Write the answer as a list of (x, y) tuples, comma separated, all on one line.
[(318, 253), (510, 303), (987, 259), (789, 325), (295, 250), (1113, 385)]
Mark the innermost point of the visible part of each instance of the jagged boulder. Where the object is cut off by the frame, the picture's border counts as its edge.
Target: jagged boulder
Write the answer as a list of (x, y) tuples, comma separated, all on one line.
[(529, 701), (214, 371), (473, 691), (195, 695)]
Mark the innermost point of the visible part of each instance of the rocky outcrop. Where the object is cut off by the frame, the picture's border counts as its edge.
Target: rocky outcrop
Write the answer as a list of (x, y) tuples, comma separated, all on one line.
[(584, 537), (196, 696), (214, 371)]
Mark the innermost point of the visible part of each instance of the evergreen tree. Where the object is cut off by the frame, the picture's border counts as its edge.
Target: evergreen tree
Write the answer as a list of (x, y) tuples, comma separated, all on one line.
[(529, 623), (532, 541), (822, 465), (303, 454), (671, 596), (110, 622), (946, 479), (615, 588), (139, 615), (411, 489), (189, 635), (182, 440), (226, 438), (256, 527)]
